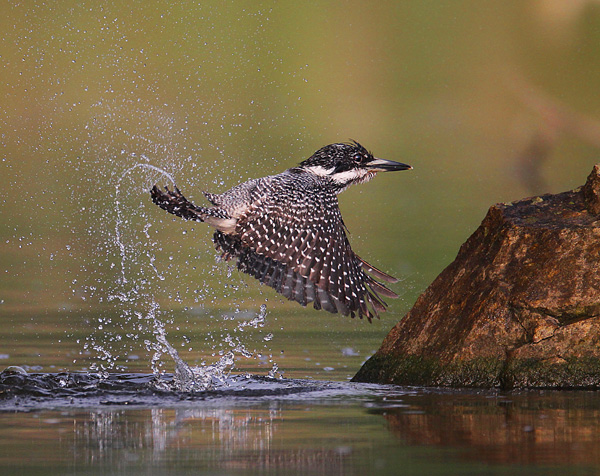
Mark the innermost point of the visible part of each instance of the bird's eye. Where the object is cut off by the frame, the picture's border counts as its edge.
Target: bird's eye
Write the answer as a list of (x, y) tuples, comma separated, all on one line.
[(358, 157)]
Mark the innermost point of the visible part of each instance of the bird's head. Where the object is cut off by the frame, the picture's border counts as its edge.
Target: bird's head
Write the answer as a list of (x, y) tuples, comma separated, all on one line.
[(348, 163)]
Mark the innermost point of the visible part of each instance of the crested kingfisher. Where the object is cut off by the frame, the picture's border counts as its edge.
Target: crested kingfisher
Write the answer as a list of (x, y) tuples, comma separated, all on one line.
[(287, 231)]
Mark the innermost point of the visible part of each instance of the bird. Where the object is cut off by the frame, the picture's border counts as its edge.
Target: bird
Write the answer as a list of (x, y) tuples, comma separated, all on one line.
[(287, 230)]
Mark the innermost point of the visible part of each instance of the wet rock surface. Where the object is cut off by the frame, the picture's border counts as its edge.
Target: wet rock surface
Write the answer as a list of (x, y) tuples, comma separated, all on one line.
[(518, 308)]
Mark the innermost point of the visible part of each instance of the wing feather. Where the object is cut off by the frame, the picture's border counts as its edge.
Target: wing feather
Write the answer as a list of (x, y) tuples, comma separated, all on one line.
[(297, 244)]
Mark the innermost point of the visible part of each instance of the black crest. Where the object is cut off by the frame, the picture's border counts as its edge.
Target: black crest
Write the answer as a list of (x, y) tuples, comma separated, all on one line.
[(343, 156)]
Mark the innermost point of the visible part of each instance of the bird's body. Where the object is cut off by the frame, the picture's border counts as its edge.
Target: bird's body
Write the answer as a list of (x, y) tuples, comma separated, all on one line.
[(287, 231)]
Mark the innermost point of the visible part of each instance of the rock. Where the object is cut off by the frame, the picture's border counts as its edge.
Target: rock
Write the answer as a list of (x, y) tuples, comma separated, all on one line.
[(522, 428), (518, 308), (591, 191)]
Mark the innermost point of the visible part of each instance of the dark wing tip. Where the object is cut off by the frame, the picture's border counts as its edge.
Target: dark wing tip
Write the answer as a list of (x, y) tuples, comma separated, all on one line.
[(376, 272)]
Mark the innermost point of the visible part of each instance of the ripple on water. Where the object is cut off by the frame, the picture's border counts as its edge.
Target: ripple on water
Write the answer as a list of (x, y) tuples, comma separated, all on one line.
[(24, 391)]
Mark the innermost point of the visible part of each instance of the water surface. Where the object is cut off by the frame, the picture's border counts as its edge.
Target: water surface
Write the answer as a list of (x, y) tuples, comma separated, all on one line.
[(132, 423)]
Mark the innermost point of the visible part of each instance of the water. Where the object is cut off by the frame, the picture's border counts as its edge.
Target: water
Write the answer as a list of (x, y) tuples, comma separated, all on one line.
[(136, 423)]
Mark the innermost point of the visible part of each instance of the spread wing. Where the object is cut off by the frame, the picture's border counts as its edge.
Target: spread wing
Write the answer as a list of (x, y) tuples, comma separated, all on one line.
[(300, 248)]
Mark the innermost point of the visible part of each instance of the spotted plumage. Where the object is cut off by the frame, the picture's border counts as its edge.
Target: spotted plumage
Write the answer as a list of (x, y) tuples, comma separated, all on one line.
[(287, 231)]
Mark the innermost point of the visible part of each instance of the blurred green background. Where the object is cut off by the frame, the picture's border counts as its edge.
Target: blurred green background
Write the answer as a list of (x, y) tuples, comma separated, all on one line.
[(490, 101)]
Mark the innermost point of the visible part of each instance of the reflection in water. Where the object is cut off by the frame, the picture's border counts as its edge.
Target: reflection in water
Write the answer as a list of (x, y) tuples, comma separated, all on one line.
[(532, 428), (135, 419), (213, 437)]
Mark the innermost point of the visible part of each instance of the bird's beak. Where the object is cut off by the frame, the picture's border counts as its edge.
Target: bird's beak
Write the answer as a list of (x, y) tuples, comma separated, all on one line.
[(382, 165)]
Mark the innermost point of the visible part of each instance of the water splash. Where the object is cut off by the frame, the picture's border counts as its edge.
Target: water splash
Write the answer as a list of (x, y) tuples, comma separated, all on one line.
[(135, 297), (119, 221), (207, 377)]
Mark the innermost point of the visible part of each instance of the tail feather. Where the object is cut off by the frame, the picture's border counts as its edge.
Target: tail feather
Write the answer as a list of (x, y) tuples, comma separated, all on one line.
[(174, 202)]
